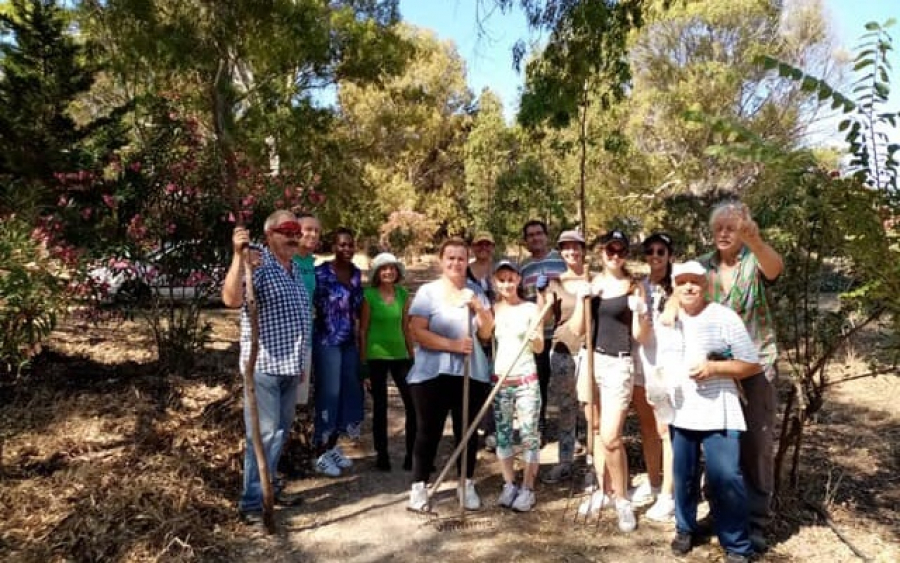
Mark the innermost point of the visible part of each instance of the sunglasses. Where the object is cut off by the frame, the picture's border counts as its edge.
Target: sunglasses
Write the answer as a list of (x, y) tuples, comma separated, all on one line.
[(288, 229), (655, 251), (621, 252)]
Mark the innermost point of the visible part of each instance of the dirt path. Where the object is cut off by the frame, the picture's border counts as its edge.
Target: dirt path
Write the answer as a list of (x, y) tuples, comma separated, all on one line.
[(104, 459)]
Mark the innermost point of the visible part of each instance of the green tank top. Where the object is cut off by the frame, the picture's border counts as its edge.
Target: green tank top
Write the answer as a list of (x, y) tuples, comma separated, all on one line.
[(385, 339)]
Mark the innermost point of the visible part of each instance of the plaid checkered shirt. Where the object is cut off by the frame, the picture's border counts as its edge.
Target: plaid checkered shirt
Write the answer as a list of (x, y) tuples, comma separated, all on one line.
[(285, 320)]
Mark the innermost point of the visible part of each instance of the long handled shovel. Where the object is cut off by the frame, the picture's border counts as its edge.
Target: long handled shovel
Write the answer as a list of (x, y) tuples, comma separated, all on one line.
[(461, 486), (591, 479), (484, 408)]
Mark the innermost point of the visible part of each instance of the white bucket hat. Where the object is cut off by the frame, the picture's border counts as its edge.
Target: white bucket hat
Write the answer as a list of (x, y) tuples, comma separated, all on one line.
[(386, 259)]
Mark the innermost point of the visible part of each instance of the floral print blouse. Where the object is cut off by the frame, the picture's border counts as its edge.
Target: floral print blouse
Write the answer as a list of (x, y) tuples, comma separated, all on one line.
[(337, 306)]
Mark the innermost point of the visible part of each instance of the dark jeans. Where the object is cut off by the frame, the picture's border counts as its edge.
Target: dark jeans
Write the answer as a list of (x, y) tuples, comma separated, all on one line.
[(757, 448), (433, 399), (543, 371), (725, 484), (378, 372)]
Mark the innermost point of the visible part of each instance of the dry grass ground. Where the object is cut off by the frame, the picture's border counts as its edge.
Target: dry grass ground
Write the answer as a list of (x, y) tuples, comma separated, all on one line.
[(105, 460)]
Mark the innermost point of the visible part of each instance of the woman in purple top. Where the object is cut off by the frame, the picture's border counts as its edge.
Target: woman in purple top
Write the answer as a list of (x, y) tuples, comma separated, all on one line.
[(339, 396)]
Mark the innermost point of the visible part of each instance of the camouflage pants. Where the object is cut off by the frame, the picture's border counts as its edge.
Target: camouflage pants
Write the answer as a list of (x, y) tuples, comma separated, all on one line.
[(522, 402), (563, 396)]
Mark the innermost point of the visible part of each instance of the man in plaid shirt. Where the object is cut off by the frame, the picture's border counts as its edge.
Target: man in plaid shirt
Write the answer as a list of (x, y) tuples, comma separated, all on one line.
[(285, 343)]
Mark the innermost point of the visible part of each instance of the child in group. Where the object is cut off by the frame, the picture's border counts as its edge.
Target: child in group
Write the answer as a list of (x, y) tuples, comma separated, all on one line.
[(520, 396)]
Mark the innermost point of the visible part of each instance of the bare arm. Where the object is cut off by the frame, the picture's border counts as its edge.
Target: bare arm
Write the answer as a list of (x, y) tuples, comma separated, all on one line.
[(233, 287), (365, 314), (770, 262), (407, 336), (735, 369)]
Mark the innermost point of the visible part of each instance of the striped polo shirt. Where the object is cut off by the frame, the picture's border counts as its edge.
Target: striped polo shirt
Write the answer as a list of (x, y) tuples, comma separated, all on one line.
[(713, 404)]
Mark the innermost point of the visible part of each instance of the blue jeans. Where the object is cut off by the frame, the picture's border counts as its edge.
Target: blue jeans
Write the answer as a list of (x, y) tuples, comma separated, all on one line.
[(725, 484), (339, 395), (276, 400)]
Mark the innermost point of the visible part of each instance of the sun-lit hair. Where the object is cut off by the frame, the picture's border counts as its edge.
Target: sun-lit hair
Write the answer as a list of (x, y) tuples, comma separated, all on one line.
[(277, 217), (452, 241), (723, 207)]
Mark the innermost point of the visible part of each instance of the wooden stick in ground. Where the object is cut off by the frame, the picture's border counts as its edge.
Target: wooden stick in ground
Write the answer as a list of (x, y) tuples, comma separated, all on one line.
[(589, 346), (539, 321), (265, 478), (464, 462)]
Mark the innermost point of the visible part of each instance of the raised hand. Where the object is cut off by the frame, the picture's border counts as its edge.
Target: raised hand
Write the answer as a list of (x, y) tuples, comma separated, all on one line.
[(239, 239)]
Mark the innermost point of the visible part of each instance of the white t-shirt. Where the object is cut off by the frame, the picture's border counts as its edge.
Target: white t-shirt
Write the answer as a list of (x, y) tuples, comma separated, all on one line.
[(511, 324), (712, 404)]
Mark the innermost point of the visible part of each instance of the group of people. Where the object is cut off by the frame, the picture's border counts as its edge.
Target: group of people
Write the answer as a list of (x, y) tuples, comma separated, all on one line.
[(690, 346)]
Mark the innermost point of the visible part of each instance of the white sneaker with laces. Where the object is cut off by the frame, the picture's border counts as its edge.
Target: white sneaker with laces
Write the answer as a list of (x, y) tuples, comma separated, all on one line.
[(338, 458), (643, 493), (325, 465), (524, 500), (418, 497), (627, 522), (508, 495), (663, 510), (593, 504), (471, 500)]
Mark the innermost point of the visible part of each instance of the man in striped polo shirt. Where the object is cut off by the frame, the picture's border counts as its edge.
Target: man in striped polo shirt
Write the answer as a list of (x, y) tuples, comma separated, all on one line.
[(544, 264), (740, 270), (705, 353)]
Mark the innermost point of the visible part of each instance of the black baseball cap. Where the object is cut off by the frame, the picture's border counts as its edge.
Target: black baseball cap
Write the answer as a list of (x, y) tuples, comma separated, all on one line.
[(660, 237), (614, 235)]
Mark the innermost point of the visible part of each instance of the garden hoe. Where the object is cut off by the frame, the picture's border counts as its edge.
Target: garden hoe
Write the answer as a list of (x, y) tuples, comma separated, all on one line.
[(445, 524), (591, 480)]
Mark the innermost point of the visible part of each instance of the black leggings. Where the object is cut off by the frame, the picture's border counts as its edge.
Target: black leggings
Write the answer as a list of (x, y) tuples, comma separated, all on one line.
[(378, 372), (433, 399), (542, 361)]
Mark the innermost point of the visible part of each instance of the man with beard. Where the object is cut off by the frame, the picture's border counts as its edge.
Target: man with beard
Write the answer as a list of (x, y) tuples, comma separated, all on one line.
[(285, 334)]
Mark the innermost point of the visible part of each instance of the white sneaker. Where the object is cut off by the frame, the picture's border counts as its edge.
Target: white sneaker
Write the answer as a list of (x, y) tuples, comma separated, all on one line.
[(627, 522), (508, 495), (594, 503), (325, 465), (471, 500), (524, 500), (338, 458), (643, 493), (663, 510), (418, 497)]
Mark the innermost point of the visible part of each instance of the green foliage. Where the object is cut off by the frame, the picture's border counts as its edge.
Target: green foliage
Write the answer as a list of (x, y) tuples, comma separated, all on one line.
[(825, 227), (407, 233), (43, 70), (409, 131), (874, 158), (33, 293)]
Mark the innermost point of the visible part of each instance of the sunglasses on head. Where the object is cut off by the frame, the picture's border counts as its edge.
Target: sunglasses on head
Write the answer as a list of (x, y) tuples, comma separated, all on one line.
[(288, 229), (620, 252), (655, 251)]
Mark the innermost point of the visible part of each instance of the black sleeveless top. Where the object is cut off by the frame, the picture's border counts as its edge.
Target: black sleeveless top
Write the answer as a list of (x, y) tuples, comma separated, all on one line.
[(612, 325)]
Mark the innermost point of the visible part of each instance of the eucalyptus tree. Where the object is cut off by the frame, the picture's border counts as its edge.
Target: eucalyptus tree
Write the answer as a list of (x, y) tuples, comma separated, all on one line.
[(409, 130)]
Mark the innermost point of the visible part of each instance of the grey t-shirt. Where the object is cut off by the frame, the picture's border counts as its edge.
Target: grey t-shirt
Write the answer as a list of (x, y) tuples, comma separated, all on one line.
[(449, 321)]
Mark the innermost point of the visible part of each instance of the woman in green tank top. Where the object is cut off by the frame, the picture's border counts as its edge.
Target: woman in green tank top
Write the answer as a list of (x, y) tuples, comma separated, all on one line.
[(386, 348)]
